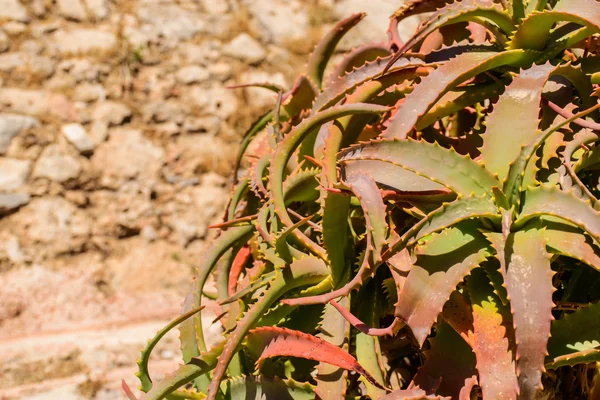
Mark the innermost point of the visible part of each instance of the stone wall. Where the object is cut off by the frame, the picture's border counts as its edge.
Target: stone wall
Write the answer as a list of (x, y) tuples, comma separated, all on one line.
[(116, 142)]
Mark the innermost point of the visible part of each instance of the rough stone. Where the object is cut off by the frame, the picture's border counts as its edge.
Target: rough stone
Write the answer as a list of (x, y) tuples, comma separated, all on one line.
[(163, 111), (192, 74), (111, 112), (98, 8), (56, 165), (89, 92), (168, 21), (33, 64), (245, 48), (13, 173), (72, 9), (84, 41), (215, 100), (11, 125), (78, 137), (279, 22), (4, 41), (14, 28), (125, 156), (13, 10), (37, 102), (12, 201)]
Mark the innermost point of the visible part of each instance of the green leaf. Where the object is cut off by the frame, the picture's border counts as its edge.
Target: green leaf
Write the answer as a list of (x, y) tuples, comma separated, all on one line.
[(288, 145), (497, 373), (436, 273), (544, 200), (331, 379), (258, 388), (575, 338), (514, 121), (533, 32), (458, 173), (444, 78), (460, 11), (319, 58), (568, 241), (335, 232)]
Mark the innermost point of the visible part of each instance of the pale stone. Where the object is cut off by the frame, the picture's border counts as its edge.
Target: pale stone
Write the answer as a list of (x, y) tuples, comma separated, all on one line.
[(192, 74), (11, 125), (13, 173), (72, 9), (280, 22), (56, 165), (99, 8), (245, 48), (78, 137), (12, 201), (84, 41), (14, 10), (111, 112)]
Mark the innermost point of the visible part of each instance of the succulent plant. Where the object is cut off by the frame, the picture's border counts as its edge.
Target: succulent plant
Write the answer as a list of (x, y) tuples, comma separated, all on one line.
[(422, 222)]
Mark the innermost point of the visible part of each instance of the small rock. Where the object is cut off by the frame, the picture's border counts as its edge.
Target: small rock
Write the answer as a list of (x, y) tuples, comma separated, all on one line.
[(33, 64), (167, 129), (215, 7), (56, 165), (99, 132), (38, 7), (245, 48), (99, 8), (32, 47), (12, 201), (163, 111), (14, 28), (12, 9), (11, 125), (13, 173), (215, 100), (168, 21), (10, 243), (280, 22), (89, 92), (71, 9), (192, 74), (77, 136), (111, 112), (37, 102), (221, 71), (208, 125), (4, 41), (84, 41)]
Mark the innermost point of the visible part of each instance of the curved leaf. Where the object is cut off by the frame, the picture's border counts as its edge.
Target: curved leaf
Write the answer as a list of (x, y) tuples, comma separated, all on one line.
[(289, 144), (544, 200), (444, 78), (435, 275), (514, 121), (274, 342), (528, 280), (319, 58), (497, 373), (573, 334), (358, 57), (458, 173), (258, 388), (570, 242), (411, 394), (534, 30), (464, 10)]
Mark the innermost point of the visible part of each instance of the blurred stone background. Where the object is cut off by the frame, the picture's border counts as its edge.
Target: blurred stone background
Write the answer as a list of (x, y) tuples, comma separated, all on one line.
[(116, 145)]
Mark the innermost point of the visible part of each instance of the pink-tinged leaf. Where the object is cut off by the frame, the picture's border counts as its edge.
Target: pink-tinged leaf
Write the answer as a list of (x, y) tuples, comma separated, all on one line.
[(435, 275), (568, 241), (497, 373), (275, 342), (322, 53), (544, 200), (575, 338), (449, 364), (357, 58), (336, 90), (444, 78), (331, 379), (458, 173), (127, 390), (237, 267), (528, 280), (300, 98), (365, 189), (533, 32), (412, 394), (459, 12), (514, 121)]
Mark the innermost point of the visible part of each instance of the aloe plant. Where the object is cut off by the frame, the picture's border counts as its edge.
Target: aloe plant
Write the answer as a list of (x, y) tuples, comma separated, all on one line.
[(420, 221)]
